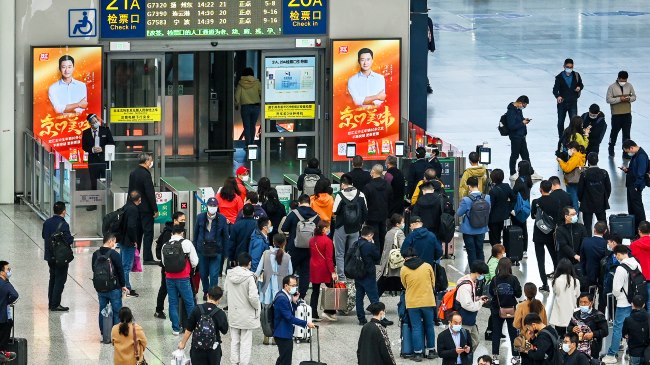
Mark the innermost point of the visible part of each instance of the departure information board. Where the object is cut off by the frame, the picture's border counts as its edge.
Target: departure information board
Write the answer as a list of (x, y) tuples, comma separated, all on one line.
[(167, 19)]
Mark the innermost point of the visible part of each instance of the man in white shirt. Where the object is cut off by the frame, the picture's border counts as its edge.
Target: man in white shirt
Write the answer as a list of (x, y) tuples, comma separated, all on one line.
[(68, 95), (367, 87)]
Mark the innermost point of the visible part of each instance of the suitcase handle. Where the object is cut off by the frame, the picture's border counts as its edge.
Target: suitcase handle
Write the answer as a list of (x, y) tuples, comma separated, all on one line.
[(311, 353), (13, 318)]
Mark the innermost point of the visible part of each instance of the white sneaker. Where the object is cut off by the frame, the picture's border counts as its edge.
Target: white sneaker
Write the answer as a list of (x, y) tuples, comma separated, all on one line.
[(175, 333), (525, 255), (514, 177), (610, 359), (330, 317), (536, 176)]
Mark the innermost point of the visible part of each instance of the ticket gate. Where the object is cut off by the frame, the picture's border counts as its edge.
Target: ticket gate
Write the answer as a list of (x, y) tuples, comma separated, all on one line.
[(177, 193)]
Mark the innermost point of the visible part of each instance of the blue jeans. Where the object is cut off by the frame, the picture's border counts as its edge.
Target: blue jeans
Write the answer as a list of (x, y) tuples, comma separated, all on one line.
[(619, 317), (182, 288), (115, 298), (572, 189), (249, 115), (128, 256), (365, 286), (474, 246), (209, 269), (416, 315)]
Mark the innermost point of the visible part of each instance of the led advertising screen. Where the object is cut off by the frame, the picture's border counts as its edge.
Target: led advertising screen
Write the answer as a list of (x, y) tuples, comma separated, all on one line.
[(366, 96), (289, 79)]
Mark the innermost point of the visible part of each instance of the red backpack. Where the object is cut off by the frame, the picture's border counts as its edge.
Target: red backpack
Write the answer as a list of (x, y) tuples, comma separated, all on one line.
[(448, 300)]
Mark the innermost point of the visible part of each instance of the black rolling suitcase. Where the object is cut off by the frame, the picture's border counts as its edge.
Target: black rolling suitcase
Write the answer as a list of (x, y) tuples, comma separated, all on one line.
[(513, 240), (311, 354), (17, 345), (622, 225)]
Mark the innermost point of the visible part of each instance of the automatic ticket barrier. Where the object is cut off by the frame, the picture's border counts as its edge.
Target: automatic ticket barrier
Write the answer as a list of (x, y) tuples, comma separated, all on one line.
[(177, 193)]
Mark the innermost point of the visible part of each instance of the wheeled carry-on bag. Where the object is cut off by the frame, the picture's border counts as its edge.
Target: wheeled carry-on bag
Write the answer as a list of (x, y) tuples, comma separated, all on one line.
[(513, 240), (107, 323), (311, 353), (303, 312), (17, 345), (622, 225), (448, 249)]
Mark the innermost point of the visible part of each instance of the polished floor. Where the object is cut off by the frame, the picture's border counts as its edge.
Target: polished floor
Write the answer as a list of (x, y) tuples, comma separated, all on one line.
[(489, 53)]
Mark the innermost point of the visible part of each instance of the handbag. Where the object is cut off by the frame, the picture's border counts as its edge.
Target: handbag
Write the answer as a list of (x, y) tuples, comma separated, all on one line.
[(334, 298), (137, 263), (136, 349), (395, 259), (573, 177), (505, 313), (521, 344)]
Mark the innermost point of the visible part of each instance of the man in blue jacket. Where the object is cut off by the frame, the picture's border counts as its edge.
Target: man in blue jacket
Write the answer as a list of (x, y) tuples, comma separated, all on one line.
[(240, 234), (474, 225), (516, 124), (424, 242), (635, 180), (592, 251), (210, 237), (58, 274), (284, 318), (8, 295), (259, 241)]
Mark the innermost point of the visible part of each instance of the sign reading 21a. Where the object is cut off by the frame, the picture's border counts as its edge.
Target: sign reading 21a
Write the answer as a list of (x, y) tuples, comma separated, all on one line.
[(123, 18)]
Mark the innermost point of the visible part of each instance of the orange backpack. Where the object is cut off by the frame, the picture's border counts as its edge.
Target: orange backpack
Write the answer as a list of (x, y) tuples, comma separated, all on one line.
[(448, 300)]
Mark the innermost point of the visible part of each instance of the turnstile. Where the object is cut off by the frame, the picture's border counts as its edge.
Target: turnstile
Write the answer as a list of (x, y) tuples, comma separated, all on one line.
[(183, 199)]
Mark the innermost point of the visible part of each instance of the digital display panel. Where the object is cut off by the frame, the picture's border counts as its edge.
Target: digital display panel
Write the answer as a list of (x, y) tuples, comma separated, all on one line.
[(289, 79)]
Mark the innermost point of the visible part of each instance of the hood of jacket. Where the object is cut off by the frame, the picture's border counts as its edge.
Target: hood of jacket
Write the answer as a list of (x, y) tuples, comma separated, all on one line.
[(631, 262), (419, 234), (257, 235), (476, 171), (428, 200), (322, 200), (239, 275), (248, 82), (349, 193), (413, 263), (378, 183), (511, 106), (310, 170), (639, 315), (580, 157)]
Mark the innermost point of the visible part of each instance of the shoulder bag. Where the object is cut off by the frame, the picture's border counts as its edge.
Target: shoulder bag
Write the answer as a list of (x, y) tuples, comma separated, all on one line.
[(505, 313)]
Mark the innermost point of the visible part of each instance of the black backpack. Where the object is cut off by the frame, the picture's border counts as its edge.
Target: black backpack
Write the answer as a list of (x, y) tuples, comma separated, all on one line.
[(173, 256), (447, 224), (354, 267), (205, 334), (351, 213), (479, 213), (104, 279), (503, 126), (558, 355), (61, 251), (442, 283), (113, 222), (636, 284)]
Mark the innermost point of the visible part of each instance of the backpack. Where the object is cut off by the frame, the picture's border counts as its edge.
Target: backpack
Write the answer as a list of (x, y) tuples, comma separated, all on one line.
[(544, 222), (636, 284), (442, 283), (309, 183), (479, 213), (174, 258), (558, 355), (395, 259), (447, 224), (61, 251), (267, 319), (522, 208), (104, 279), (205, 333), (351, 214), (354, 267), (113, 222), (304, 230), (503, 126), (447, 305)]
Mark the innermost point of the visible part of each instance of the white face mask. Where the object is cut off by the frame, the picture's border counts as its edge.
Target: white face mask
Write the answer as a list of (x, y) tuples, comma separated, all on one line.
[(212, 210), (245, 178), (565, 347), (151, 165), (96, 125), (622, 83), (571, 152)]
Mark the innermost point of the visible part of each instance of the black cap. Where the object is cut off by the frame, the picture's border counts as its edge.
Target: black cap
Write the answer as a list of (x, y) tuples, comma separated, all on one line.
[(415, 219)]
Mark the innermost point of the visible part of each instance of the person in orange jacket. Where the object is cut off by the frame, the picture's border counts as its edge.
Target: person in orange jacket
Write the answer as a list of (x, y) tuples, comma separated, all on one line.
[(572, 170)]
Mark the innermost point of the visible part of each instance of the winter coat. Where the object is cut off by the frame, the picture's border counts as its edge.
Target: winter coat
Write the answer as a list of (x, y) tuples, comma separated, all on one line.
[(373, 347), (414, 174), (464, 211), (565, 300), (613, 98), (259, 243), (515, 122), (339, 203), (419, 281), (568, 240), (621, 280), (502, 200), (576, 161), (592, 251), (248, 91), (321, 262), (240, 236), (218, 231), (636, 170), (597, 323), (594, 190), (522, 310), (636, 330), (360, 177), (428, 207), (560, 87), (394, 236), (425, 243), (378, 195), (396, 180), (550, 207), (641, 251), (242, 298), (308, 171), (323, 204), (479, 172)]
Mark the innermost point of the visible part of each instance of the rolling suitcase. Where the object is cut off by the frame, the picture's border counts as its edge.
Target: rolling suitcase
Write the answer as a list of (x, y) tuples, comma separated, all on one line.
[(17, 345), (622, 225), (107, 323), (311, 353), (302, 312), (448, 249), (513, 240)]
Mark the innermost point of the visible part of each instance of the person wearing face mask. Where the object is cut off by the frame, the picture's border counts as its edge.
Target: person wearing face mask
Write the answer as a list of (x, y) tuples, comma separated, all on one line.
[(566, 290), (259, 241), (620, 287), (592, 251), (576, 132), (178, 218), (387, 277), (242, 176), (569, 236), (594, 119), (608, 267), (594, 190), (567, 88), (637, 330), (544, 341), (641, 250), (544, 207), (109, 291), (573, 169), (467, 302), (416, 170), (321, 267), (455, 343), (140, 180), (570, 348), (517, 125), (589, 325), (635, 179), (93, 142), (130, 236), (620, 96), (210, 238), (8, 296), (285, 305), (374, 346)]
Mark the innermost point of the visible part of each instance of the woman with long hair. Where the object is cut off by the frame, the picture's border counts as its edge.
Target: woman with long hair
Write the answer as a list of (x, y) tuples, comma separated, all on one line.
[(274, 265), (501, 201), (229, 199), (389, 279), (504, 290), (274, 210), (566, 289), (530, 305), (124, 335), (322, 201), (263, 188), (572, 170), (522, 187), (321, 267), (575, 133)]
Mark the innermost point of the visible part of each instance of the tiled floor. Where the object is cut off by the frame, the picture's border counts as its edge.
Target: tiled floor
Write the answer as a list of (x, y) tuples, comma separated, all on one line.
[(516, 48)]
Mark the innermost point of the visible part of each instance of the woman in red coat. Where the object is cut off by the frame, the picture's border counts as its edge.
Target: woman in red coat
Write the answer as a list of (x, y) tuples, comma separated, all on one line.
[(321, 267)]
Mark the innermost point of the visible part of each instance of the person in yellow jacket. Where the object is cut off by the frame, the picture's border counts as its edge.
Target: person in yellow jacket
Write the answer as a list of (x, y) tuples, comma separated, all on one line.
[(572, 170), (475, 170), (429, 175), (248, 95), (575, 132)]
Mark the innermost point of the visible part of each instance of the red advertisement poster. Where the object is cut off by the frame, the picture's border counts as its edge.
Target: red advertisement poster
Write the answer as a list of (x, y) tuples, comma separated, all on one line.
[(366, 99), (67, 87)]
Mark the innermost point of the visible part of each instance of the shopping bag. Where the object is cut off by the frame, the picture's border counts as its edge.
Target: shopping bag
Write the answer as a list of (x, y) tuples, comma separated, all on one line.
[(335, 298), (137, 264)]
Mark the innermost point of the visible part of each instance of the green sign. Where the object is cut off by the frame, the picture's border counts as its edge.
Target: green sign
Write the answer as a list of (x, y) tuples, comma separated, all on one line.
[(205, 194), (164, 202), (284, 194)]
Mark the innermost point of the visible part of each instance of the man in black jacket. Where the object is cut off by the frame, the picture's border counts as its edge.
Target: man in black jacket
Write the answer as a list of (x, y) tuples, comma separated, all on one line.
[(594, 189), (567, 88), (428, 208), (58, 274), (454, 343), (569, 235), (415, 172), (140, 180), (374, 347), (635, 180), (570, 347), (562, 197), (544, 340), (434, 163), (178, 219), (311, 169), (360, 177), (397, 183), (93, 142), (131, 234), (113, 295), (548, 206), (636, 330), (592, 251), (378, 194), (595, 119), (587, 316)]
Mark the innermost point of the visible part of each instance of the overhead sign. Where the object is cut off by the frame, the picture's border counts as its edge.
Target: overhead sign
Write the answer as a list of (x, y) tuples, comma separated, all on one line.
[(127, 19), (289, 111), (82, 23), (136, 115), (289, 79)]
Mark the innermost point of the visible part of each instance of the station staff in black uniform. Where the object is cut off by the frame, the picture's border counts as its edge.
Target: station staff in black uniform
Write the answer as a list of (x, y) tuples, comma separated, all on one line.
[(93, 141)]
